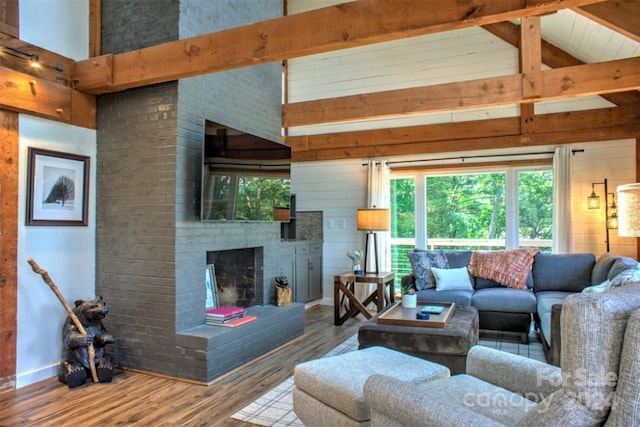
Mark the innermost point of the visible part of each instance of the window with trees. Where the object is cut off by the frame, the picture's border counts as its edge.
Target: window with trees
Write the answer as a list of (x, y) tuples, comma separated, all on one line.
[(486, 210)]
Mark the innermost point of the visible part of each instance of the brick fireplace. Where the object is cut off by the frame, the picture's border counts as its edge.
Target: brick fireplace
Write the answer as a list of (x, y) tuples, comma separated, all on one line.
[(151, 248)]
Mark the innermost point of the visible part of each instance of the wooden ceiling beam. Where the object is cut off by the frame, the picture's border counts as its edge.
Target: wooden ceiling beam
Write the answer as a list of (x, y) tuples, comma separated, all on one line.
[(592, 125), (332, 28), (24, 93), (622, 16), (554, 57), (579, 80)]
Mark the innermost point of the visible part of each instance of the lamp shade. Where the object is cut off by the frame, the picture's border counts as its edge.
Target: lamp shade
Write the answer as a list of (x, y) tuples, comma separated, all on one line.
[(629, 210), (374, 219)]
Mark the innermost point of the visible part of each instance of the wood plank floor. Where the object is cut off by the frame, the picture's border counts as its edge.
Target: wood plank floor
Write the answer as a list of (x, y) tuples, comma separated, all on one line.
[(147, 400)]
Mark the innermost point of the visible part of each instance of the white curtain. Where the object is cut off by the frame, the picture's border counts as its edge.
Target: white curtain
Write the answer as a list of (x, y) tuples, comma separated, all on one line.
[(378, 194), (562, 211)]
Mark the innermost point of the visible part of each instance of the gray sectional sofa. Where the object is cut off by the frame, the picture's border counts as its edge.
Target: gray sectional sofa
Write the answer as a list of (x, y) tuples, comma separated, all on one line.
[(552, 278)]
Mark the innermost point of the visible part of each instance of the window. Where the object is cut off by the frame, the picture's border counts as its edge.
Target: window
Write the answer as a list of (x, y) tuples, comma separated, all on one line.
[(486, 210)]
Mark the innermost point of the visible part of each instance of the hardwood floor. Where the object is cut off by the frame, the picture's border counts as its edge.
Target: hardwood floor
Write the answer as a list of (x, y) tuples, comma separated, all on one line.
[(147, 400)]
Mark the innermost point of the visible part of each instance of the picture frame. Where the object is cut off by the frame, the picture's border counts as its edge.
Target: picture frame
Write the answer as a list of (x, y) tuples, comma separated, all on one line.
[(57, 188), (211, 287)]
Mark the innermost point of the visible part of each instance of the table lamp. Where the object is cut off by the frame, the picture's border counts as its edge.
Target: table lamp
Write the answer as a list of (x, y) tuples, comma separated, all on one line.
[(372, 220)]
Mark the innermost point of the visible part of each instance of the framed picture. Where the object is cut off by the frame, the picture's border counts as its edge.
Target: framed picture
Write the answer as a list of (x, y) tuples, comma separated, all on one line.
[(57, 188), (212, 287)]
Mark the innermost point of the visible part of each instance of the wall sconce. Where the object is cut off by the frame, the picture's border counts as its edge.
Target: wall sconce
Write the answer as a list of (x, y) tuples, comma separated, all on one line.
[(593, 202), (372, 220), (612, 215), (629, 206)]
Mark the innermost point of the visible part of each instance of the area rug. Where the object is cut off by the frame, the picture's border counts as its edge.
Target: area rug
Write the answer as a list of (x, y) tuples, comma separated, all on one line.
[(275, 408)]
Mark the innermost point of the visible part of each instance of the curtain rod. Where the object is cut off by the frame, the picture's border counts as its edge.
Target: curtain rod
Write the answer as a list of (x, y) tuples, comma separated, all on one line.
[(479, 156)]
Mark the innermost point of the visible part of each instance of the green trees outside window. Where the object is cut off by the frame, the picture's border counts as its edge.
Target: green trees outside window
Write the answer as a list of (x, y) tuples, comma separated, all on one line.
[(483, 211)]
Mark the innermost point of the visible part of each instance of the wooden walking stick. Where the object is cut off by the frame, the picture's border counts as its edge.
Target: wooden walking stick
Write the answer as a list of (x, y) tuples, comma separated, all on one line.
[(45, 276)]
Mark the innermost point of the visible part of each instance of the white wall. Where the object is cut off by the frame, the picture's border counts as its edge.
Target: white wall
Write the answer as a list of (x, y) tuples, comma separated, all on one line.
[(337, 189), (67, 253)]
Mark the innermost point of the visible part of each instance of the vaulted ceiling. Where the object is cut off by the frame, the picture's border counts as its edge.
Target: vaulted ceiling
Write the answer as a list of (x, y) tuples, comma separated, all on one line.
[(564, 57)]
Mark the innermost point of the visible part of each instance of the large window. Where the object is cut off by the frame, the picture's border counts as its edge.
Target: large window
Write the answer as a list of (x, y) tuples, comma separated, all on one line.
[(491, 209)]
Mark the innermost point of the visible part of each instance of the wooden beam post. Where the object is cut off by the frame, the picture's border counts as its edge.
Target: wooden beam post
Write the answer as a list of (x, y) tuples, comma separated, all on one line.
[(24, 93)]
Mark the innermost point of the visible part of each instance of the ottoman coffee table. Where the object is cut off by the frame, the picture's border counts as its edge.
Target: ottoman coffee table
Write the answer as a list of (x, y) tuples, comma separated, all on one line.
[(446, 344), (330, 391)]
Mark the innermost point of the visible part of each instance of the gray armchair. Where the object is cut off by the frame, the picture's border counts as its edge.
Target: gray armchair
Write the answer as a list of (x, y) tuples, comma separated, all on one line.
[(599, 381)]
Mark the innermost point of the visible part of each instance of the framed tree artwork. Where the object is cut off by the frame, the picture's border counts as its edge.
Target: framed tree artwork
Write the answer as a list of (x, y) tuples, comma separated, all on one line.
[(57, 188)]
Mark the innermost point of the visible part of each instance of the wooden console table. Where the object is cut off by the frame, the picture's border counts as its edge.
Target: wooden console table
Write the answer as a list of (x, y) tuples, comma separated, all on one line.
[(345, 283)]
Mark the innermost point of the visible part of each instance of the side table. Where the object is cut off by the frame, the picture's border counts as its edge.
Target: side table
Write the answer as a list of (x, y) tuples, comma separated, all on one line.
[(345, 283)]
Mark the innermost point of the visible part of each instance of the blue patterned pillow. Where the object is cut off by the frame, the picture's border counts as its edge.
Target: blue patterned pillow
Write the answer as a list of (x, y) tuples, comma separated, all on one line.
[(421, 263), (625, 277)]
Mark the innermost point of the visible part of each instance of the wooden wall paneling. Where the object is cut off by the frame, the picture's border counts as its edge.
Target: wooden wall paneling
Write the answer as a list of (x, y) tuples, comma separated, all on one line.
[(8, 246), (9, 159)]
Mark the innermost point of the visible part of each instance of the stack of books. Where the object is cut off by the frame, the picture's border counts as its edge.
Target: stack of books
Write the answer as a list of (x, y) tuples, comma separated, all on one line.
[(228, 316)]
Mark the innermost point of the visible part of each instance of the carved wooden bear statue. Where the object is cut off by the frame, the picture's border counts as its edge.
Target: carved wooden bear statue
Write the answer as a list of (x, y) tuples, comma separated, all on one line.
[(74, 368)]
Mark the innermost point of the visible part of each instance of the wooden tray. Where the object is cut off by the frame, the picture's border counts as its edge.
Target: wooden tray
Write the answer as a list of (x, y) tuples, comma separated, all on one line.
[(400, 316)]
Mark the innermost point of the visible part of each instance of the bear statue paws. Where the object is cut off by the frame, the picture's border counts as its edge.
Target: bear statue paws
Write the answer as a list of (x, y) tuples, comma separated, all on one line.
[(75, 376), (105, 370)]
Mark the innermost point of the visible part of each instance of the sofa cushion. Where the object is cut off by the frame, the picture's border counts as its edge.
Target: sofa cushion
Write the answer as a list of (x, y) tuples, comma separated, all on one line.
[(626, 401), (509, 268), (421, 263), (458, 296), (601, 268), (562, 272), (448, 279), (485, 399), (482, 283), (458, 259), (506, 300), (544, 301)]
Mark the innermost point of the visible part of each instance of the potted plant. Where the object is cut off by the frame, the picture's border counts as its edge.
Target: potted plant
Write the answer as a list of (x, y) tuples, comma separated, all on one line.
[(409, 296), (356, 257)]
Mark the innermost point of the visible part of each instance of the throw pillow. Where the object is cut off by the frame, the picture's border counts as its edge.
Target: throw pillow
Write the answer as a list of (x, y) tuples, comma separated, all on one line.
[(421, 263), (509, 268), (448, 279)]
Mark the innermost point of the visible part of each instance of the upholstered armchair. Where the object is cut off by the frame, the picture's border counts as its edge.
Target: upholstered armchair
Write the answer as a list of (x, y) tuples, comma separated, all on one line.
[(598, 382)]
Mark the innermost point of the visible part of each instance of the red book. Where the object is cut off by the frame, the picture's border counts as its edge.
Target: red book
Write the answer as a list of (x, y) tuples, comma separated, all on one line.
[(235, 322), (224, 311)]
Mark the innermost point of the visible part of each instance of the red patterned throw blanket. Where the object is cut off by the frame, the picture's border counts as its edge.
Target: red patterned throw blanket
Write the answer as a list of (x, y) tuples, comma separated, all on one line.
[(509, 268)]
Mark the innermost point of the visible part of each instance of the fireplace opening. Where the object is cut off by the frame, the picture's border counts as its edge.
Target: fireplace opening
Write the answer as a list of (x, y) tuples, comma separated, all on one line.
[(237, 274)]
